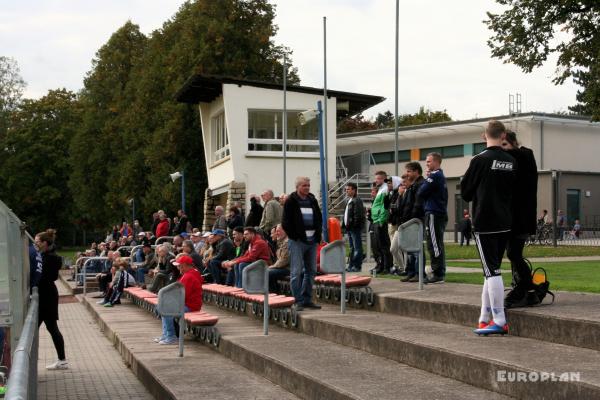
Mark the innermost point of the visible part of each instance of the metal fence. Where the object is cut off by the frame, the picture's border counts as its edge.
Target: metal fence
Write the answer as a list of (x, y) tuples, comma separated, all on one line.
[(22, 383)]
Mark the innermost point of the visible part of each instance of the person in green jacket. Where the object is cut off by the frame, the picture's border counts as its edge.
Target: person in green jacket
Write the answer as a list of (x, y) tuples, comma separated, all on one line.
[(379, 216)]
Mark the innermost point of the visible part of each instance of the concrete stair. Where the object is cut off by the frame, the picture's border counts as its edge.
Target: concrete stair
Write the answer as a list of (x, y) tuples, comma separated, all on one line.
[(411, 344)]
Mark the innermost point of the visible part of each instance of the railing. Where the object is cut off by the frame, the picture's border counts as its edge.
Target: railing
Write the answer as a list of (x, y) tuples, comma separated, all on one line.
[(337, 195), (22, 384)]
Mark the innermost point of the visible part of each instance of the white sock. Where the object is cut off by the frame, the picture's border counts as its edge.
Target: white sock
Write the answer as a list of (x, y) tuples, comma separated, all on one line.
[(486, 309), (496, 294)]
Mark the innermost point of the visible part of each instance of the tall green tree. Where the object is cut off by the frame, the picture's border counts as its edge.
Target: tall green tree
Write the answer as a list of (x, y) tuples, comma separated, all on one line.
[(11, 90), (529, 31), (100, 149), (386, 120), (35, 160)]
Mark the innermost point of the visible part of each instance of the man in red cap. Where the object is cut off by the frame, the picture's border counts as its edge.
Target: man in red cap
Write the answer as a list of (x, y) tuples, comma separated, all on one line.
[(192, 282)]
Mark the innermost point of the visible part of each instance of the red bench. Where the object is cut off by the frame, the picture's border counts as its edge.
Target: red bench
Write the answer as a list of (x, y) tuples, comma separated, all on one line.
[(357, 288)]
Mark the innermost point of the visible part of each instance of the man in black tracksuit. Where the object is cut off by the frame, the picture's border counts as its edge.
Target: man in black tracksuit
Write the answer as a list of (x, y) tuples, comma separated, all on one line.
[(434, 196), (489, 183), (524, 208), (411, 208)]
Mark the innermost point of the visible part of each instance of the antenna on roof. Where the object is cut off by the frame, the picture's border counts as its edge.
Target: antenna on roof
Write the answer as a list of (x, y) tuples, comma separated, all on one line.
[(514, 104)]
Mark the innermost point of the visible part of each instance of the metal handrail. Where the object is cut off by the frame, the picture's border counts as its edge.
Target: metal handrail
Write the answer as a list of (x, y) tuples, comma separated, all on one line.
[(165, 238), (85, 269), (22, 383)]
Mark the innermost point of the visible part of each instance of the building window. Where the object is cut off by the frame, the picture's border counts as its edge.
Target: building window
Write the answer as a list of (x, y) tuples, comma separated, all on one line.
[(388, 157), (220, 139), (478, 147), (265, 132), (428, 150), (453, 151)]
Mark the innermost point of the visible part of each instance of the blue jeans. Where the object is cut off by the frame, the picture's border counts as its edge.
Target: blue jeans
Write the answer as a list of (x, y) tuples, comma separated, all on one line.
[(274, 275), (356, 251), (412, 263), (303, 267), (139, 256), (239, 268), (139, 275), (214, 266), (168, 326)]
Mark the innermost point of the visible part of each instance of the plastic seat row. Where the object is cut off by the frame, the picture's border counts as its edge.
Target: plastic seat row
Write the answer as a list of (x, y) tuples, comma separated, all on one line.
[(236, 299), (200, 324), (357, 288)]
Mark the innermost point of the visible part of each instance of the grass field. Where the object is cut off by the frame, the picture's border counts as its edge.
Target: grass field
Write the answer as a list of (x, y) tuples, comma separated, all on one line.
[(576, 276), (454, 251)]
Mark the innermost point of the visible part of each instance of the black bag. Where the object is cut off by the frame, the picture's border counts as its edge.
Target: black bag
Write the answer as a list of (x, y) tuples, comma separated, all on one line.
[(541, 286)]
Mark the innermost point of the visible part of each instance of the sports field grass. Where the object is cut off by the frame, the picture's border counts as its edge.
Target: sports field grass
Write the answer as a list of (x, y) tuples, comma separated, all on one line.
[(454, 251), (575, 276)]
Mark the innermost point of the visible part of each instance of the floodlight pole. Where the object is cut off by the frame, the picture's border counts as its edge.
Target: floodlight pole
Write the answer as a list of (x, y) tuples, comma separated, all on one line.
[(396, 92), (326, 170), (183, 190), (323, 178), (284, 122)]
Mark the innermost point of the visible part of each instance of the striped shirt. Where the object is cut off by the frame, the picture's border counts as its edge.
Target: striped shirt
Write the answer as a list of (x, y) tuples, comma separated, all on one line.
[(308, 219)]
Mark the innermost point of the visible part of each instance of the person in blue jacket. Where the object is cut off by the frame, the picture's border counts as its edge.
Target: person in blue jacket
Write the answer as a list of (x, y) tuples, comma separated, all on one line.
[(433, 195)]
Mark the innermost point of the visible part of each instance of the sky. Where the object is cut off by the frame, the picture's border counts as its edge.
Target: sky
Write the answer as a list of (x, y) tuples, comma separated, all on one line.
[(444, 61)]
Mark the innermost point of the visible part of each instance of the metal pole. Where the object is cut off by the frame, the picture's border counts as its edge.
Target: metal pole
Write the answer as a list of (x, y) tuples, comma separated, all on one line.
[(343, 292), (421, 266), (554, 207), (284, 122), (323, 178), (266, 312), (396, 92), (325, 100), (181, 333), (183, 191)]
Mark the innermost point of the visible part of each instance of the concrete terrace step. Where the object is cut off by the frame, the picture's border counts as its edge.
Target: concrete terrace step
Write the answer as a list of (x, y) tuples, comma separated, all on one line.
[(313, 368), (574, 318), (456, 352), (201, 373)]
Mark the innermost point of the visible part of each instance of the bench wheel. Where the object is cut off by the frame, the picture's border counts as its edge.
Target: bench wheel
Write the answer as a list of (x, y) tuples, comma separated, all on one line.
[(370, 297), (209, 335), (294, 317), (243, 306), (254, 308), (358, 297), (216, 339), (284, 316), (327, 292), (202, 334), (236, 304), (275, 314)]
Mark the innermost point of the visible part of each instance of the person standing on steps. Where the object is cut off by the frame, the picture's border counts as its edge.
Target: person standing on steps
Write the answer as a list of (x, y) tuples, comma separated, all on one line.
[(489, 183), (433, 194), (48, 311), (302, 221), (524, 205)]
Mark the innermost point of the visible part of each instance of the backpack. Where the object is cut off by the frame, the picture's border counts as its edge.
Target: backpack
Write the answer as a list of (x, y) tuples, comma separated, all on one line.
[(541, 286)]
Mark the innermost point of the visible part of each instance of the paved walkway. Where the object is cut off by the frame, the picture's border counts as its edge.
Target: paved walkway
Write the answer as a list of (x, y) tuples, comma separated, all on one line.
[(96, 372)]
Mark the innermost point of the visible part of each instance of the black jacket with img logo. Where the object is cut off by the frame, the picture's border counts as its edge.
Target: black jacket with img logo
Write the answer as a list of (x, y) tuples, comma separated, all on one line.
[(489, 183)]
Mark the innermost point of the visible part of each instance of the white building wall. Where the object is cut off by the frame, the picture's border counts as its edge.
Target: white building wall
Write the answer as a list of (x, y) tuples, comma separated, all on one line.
[(219, 173), (266, 171)]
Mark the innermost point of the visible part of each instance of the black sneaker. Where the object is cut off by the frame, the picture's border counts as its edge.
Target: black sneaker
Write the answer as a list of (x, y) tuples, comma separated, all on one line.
[(435, 279), (407, 278), (312, 306)]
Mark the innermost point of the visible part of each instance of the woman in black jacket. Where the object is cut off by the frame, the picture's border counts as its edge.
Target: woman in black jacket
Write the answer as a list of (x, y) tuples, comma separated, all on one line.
[(48, 312), (256, 211), (524, 204)]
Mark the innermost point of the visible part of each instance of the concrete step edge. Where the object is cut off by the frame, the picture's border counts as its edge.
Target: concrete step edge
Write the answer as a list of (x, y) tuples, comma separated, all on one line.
[(478, 371)]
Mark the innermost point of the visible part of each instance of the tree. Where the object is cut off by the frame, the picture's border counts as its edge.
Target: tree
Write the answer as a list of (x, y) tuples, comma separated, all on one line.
[(35, 168), (386, 120), (529, 31), (11, 90)]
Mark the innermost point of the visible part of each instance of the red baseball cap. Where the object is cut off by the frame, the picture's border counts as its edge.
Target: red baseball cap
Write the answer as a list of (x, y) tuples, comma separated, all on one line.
[(184, 260)]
